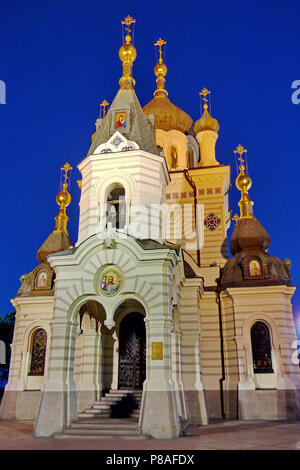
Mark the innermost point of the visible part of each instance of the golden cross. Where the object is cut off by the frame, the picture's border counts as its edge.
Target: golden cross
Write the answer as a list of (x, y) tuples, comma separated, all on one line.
[(67, 167), (128, 21), (204, 92), (240, 150), (235, 218), (103, 104), (160, 43)]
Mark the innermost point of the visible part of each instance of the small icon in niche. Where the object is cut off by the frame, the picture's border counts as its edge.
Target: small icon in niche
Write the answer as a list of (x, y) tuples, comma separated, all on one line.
[(120, 120)]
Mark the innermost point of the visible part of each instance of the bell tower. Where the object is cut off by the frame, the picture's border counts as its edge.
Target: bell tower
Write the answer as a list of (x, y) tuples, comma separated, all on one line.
[(124, 177)]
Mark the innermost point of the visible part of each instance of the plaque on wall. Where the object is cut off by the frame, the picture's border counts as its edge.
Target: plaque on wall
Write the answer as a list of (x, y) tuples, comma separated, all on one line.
[(157, 351)]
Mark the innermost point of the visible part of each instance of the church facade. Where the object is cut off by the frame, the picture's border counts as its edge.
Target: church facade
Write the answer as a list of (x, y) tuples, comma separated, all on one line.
[(146, 312)]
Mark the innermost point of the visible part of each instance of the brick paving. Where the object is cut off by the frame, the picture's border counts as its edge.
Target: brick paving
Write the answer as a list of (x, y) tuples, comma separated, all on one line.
[(219, 435)]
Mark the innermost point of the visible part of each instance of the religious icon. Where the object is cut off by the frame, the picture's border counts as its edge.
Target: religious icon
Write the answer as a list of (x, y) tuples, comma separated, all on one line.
[(42, 279), (255, 269), (120, 120), (110, 283), (174, 156)]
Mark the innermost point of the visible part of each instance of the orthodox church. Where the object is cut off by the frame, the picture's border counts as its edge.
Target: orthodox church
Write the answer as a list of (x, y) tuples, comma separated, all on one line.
[(146, 318)]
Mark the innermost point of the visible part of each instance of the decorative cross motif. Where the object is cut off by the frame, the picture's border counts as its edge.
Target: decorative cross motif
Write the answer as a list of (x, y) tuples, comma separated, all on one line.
[(212, 222), (116, 141), (128, 21), (103, 107)]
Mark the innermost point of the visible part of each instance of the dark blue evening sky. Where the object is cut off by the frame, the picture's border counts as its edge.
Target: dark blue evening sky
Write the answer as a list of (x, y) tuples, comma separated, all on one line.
[(59, 60)]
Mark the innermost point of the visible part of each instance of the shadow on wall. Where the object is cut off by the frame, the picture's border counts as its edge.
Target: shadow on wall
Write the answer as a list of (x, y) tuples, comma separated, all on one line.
[(224, 249)]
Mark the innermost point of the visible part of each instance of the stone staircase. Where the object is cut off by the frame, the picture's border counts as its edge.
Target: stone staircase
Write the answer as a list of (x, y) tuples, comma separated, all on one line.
[(114, 416)]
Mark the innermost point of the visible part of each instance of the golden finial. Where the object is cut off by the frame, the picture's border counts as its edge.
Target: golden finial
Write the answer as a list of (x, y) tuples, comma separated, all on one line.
[(103, 106), (235, 218), (241, 150), (204, 92), (127, 54), (128, 21), (160, 71), (66, 168), (63, 199), (206, 121), (244, 183), (160, 42)]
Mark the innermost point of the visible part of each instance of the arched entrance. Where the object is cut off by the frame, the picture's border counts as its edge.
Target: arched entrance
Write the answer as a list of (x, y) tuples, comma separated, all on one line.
[(132, 352)]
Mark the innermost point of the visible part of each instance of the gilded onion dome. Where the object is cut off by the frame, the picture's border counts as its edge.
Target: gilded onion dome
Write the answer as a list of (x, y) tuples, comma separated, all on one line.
[(167, 115), (206, 122)]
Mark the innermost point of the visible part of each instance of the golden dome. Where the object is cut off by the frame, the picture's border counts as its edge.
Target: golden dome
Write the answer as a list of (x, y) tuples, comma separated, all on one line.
[(167, 115), (206, 123)]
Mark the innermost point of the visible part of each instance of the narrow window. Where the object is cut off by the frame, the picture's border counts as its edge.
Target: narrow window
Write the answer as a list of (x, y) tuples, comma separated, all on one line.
[(116, 208), (38, 353), (261, 348), (174, 157)]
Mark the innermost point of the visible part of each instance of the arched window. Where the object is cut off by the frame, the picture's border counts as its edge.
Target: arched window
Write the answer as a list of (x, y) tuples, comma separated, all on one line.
[(174, 157), (116, 207), (261, 348), (38, 353)]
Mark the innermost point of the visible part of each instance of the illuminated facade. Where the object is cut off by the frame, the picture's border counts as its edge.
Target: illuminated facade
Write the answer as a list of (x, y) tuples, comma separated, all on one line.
[(146, 316)]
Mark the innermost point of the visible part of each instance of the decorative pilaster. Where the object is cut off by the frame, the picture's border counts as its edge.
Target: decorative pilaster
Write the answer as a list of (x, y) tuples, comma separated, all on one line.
[(59, 403), (159, 413)]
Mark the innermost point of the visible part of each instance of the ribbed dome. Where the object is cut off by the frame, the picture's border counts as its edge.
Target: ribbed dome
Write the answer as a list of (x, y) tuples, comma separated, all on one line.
[(57, 241), (249, 233), (167, 115), (206, 123)]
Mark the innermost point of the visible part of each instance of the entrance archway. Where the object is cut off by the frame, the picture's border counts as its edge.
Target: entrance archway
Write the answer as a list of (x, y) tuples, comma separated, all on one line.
[(132, 352)]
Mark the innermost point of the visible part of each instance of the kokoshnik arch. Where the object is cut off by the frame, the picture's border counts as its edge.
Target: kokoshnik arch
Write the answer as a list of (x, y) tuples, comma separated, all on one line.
[(183, 331)]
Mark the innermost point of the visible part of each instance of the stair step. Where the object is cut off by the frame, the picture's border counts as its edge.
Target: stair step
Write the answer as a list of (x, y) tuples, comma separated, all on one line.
[(99, 407), (98, 412), (111, 399), (97, 425), (103, 432), (140, 437)]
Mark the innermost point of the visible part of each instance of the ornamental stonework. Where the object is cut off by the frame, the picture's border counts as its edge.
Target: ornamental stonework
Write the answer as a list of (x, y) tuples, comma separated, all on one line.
[(212, 222)]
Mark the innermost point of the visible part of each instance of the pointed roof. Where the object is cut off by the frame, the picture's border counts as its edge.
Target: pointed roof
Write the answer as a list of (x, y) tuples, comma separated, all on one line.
[(57, 241), (138, 128)]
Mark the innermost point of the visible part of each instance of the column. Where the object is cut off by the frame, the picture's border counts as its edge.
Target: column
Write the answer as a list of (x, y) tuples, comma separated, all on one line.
[(59, 403), (159, 412), (90, 383)]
